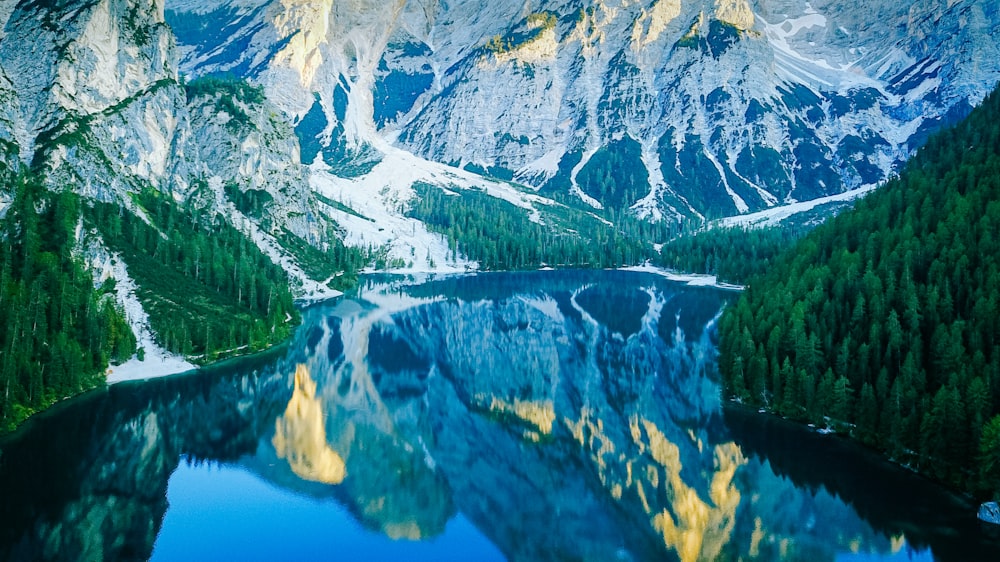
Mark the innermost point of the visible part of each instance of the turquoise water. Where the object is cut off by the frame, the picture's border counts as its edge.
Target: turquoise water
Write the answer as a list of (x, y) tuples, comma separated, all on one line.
[(521, 416)]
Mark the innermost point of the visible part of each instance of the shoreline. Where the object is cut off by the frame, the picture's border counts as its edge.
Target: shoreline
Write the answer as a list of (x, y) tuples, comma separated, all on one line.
[(731, 404), (158, 363), (690, 279)]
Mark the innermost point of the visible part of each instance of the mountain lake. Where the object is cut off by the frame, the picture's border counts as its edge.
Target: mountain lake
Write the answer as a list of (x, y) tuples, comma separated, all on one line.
[(560, 415)]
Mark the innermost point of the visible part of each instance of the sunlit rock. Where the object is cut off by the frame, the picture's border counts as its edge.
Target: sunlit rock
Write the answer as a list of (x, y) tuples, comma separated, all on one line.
[(735, 12), (300, 436), (539, 414)]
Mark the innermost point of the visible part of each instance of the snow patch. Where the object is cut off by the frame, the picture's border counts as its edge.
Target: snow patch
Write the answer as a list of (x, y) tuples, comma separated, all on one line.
[(157, 361), (648, 207), (546, 166), (692, 279), (771, 217), (303, 287), (383, 196), (575, 187), (741, 205), (794, 66), (546, 305)]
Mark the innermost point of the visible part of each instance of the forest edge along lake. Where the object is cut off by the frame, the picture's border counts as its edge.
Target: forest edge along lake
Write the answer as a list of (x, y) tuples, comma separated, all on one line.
[(503, 416)]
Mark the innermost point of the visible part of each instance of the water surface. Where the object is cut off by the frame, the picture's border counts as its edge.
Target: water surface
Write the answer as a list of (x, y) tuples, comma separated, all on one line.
[(523, 416)]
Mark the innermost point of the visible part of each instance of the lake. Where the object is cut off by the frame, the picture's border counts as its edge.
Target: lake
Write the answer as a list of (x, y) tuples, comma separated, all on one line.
[(508, 416)]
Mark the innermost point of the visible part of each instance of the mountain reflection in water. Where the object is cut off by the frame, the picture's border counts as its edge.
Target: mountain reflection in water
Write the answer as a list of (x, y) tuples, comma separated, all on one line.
[(548, 416)]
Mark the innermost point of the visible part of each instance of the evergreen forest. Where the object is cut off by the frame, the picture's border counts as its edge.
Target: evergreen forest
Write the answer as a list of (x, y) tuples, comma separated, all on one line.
[(733, 254), (501, 236), (58, 331), (208, 290), (884, 322)]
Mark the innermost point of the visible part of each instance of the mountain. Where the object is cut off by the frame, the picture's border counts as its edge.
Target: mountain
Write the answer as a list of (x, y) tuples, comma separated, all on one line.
[(193, 202), (95, 106), (669, 108), (224, 157), (109, 165)]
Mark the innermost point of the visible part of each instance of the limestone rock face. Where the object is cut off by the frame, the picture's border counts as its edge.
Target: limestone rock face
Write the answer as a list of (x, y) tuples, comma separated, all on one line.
[(241, 145), (720, 106), (93, 102), (74, 59), (714, 107)]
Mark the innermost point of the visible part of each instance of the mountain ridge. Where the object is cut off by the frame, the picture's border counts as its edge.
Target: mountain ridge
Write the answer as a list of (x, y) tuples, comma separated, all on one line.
[(772, 102), (307, 129)]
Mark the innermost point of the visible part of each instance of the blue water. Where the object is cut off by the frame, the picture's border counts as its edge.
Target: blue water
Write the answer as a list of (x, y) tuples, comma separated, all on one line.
[(223, 512), (522, 417)]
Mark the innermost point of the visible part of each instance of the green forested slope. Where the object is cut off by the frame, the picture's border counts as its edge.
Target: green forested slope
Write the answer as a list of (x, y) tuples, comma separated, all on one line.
[(885, 321), (501, 236), (208, 290), (57, 331), (734, 254)]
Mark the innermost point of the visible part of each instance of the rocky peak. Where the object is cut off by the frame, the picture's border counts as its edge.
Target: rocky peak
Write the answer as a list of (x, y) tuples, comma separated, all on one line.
[(723, 106), (80, 58), (735, 12)]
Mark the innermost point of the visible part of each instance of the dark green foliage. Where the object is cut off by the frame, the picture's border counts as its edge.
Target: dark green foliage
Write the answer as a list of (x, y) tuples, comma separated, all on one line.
[(560, 182), (989, 457), (888, 315), (225, 87), (765, 167), (228, 94), (252, 202), (501, 236), (58, 332), (692, 168), (139, 30), (339, 263), (333, 203), (733, 254), (615, 174), (74, 131), (207, 289), (496, 172)]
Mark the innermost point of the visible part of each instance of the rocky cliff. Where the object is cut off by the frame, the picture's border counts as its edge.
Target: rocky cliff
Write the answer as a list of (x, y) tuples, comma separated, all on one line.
[(668, 108), (302, 121), (717, 107), (95, 104)]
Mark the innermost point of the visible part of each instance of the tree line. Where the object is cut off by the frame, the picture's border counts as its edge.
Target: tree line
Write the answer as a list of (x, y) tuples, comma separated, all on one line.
[(501, 236), (208, 290), (733, 254), (58, 330), (884, 322)]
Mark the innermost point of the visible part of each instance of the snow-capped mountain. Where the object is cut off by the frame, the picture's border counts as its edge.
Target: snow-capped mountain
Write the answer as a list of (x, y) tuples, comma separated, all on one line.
[(93, 100), (668, 107), (301, 121)]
